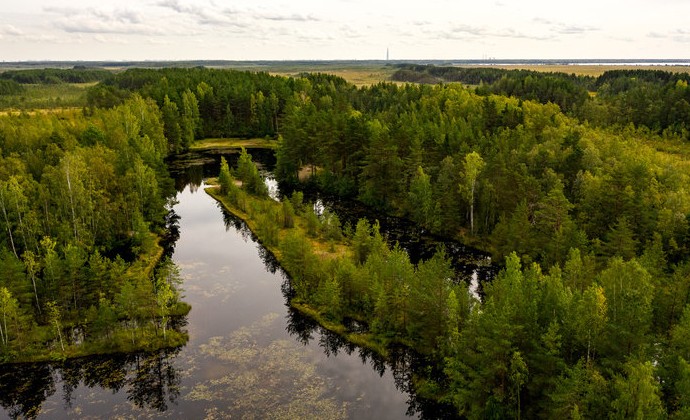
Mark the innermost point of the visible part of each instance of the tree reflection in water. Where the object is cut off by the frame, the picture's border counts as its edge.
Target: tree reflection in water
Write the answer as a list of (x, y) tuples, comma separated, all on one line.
[(401, 361), (24, 388), (150, 380)]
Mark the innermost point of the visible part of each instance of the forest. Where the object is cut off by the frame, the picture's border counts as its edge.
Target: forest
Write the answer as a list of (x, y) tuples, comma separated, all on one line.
[(83, 207), (579, 185)]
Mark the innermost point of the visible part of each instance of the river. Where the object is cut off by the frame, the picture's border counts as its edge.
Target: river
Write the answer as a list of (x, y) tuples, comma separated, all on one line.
[(248, 356)]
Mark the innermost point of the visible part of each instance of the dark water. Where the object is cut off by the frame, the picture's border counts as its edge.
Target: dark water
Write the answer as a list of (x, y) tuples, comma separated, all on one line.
[(248, 355)]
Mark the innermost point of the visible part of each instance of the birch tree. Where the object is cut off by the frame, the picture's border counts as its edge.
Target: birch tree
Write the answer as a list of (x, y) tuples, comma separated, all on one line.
[(473, 167)]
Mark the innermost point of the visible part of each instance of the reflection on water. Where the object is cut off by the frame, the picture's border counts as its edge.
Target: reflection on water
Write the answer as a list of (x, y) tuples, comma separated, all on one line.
[(149, 380), (402, 363)]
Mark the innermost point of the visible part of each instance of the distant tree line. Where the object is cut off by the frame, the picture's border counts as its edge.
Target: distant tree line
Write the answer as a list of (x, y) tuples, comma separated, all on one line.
[(56, 76), (10, 87), (654, 99)]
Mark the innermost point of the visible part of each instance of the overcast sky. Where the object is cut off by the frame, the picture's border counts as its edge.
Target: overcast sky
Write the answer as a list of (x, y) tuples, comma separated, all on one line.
[(342, 29)]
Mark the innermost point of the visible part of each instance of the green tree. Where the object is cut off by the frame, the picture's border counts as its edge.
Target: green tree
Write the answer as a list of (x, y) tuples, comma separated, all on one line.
[(33, 266), (225, 179), (582, 389), (171, 124), (166, 297), (55, 319), (9, 308), (473, 167), (421, 205), (637, 393), (191, 119), (590, 318), (620, 240), (518, 375), (75, 259), (629, 291), (287, 214), (328, 297), (248, 173), (106, 317)]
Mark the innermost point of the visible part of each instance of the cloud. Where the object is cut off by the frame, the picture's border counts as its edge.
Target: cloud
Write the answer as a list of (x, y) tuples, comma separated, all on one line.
[(573, 29), (562, 28), (681, 35), (462, 31), (469, 32), (421, 23), (350, 32), (99, 21), (543, 21), (110, 40), (65, 11), (10, 30), (677, 35), (176, 6), (205, 16), (88, 26), (289, 18)]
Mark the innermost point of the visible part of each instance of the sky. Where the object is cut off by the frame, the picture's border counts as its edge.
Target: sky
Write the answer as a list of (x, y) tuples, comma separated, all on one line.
[(122, 30)]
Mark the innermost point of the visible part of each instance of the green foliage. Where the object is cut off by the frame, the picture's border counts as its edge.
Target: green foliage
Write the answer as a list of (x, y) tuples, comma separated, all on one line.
[(248, 173), (10, 87), (328, 297), (79, 197), (331, 227), (298, 259), (52, 76), (287, 216), (225, 179), (297, 201), (421, 205), (637, 393), (313, 222)]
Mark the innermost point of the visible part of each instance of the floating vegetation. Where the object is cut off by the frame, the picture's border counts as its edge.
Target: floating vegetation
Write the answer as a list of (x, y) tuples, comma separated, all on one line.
[(274, 380)]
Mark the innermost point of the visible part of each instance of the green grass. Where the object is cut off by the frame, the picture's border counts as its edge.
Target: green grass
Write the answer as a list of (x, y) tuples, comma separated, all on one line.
[(233, 143), (59, 96), (359, 74)]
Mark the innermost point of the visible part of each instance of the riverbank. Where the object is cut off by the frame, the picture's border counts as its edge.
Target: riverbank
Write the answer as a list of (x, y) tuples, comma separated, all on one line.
[(323, 249)]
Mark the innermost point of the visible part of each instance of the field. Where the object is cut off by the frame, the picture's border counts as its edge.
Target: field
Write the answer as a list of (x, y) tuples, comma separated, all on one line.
[(233, 143), (593, 70), (53, 96)]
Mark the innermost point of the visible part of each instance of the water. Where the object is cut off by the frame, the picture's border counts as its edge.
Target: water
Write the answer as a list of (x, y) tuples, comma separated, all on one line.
[(249, 354)]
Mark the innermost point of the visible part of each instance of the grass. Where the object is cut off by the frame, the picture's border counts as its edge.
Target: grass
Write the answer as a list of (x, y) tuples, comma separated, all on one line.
[(233, 143), (365, 75), (51, 97), (357, 73)]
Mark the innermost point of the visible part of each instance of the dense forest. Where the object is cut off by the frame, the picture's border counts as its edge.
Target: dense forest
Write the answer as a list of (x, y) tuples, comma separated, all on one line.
[(655, 99), (579, 184), (82, 207)]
